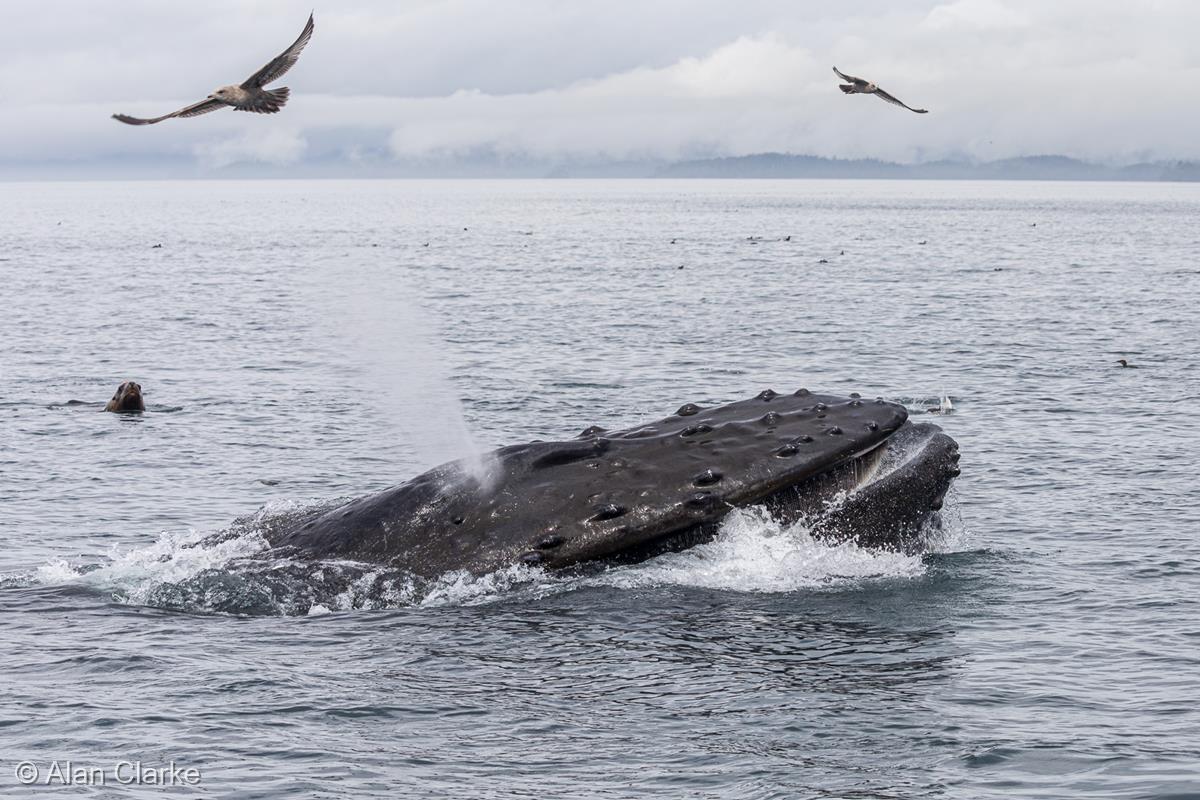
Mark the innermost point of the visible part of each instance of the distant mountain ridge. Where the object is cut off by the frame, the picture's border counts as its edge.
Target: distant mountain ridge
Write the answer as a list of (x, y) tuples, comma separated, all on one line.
[(1047, 167), (327, 160)]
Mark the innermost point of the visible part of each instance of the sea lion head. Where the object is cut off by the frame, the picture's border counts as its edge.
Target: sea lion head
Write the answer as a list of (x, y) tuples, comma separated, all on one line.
[(127, 398)]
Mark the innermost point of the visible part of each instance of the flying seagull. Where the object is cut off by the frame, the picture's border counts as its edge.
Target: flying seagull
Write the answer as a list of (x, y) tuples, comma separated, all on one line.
[(247, 96), (859, 86)]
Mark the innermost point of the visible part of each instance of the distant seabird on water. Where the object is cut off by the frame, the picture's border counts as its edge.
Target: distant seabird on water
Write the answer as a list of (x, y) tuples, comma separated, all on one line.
[(859, 86), (246, 96)]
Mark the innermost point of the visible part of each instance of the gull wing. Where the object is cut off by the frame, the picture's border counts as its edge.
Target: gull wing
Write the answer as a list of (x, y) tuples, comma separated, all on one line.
[(851, 78), (194, 110), (280, 64), (882, 95)]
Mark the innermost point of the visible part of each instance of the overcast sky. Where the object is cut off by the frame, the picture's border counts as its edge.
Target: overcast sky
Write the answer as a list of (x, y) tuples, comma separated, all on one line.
[(618, 79)]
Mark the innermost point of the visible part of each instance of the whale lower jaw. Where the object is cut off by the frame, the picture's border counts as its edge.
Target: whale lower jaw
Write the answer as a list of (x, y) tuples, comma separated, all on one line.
[(894, 504), (887, 497)]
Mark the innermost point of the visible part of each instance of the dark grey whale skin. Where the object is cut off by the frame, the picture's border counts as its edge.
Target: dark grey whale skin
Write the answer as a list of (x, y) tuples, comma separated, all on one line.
[(606, 495), (892, 509)]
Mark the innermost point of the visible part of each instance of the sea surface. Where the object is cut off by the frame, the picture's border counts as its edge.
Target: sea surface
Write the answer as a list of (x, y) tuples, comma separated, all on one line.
[(300, 342)]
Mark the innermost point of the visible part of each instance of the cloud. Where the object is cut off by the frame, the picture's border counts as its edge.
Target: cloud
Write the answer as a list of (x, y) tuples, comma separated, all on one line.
[(272, 146), (696, 106), (975, 15)]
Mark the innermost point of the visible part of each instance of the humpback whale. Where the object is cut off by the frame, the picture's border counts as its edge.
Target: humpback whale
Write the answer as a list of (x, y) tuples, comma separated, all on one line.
[(854, 469)]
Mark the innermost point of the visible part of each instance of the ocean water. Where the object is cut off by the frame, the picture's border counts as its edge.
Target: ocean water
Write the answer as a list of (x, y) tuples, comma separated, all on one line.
[(300, 342)]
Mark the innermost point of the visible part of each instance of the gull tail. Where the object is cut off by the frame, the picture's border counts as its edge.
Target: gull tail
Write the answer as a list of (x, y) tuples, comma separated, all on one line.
[(277, 99), (268, 101), (846, 88)]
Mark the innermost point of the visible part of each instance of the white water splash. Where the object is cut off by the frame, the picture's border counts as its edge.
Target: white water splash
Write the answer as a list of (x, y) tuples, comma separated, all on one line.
[(752, 552), (755, 553), (465, 589), (172, 558), (951, 535), (941, 403)]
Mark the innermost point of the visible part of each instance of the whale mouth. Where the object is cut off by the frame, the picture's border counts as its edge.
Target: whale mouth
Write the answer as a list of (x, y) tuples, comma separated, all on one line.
[(861, 468), (886, 496), (887, 499)]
